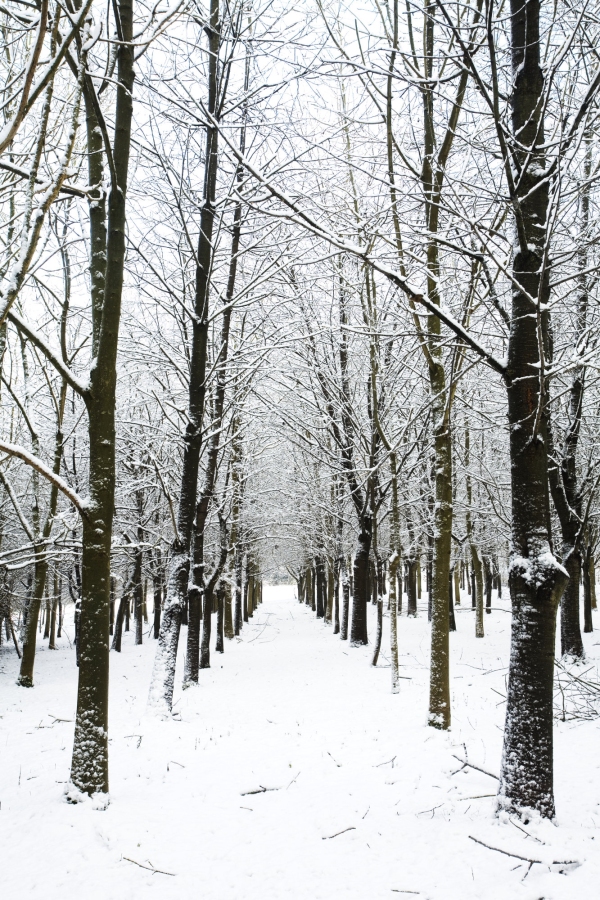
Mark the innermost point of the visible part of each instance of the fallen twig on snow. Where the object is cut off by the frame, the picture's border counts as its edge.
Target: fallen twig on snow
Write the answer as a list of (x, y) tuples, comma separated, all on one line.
[(525, 832), (150, 868), (532, 862), (328, 837), (261, 790), (386, 763), (471, 766)]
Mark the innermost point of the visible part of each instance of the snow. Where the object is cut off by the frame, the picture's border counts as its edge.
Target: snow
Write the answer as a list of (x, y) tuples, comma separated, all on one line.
[(291, 708)]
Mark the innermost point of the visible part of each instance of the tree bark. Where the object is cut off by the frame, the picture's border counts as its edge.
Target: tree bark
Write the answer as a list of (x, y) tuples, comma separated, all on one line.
[(345, 599), (89, 768), (360, 597), (536, 580), (163, 675)]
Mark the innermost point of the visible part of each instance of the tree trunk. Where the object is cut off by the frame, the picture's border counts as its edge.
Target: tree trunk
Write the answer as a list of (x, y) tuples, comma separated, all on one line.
[(52, 635), (321, 586), (451, 616), (163, 675), (330, 592), (336, 595), (411, 586), (478, 592), (29, 639), (378, 636), (229, 633), (220, 642), (157, 592), (238, 616), (138, 588), (570, 624), (588, 625), (439, 683), (489, 582), (207, 608), (89, 770), (393, 582), (47, 617), (535, 578), (118, 635), (360, 598), (345, 599), (111, 619)]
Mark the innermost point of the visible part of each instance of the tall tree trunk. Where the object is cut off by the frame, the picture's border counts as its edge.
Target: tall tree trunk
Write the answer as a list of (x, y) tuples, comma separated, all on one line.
[(207, 609), (345, 599), (411, 585), (118, 635), (489, 581), (31, 623), (566, 492), (321, 586), (157, 593), (336, 595), (330, 591), (478, 575), (220, 643), (163, 675), (588, 625), (239, 619), (89, 768), (228, 626), (52, 635), (536, 580), (360, 596), (451, 616)]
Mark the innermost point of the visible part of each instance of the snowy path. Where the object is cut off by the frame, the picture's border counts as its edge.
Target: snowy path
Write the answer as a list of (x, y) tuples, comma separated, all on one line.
[(293, 710)]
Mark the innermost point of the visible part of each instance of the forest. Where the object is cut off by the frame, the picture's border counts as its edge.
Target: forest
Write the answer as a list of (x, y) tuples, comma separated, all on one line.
[(299, 456)]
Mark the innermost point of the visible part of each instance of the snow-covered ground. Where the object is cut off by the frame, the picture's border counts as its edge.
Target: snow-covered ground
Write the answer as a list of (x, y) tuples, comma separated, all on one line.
[(363, 800)]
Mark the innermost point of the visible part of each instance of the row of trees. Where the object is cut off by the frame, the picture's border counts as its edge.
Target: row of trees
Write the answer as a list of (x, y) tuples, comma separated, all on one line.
[(290, 288)]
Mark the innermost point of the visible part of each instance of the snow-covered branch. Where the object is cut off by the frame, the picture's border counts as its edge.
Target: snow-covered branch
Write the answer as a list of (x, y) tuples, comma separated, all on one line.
[(44, 470)]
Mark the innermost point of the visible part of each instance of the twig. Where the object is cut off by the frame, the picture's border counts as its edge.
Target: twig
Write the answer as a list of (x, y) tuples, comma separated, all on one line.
[(150, 868), (432, 810), (337, 834), (525, 832), (505, 852), (471, 766), (532, 862), (261, 790), (386, 763), (339, 765)]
